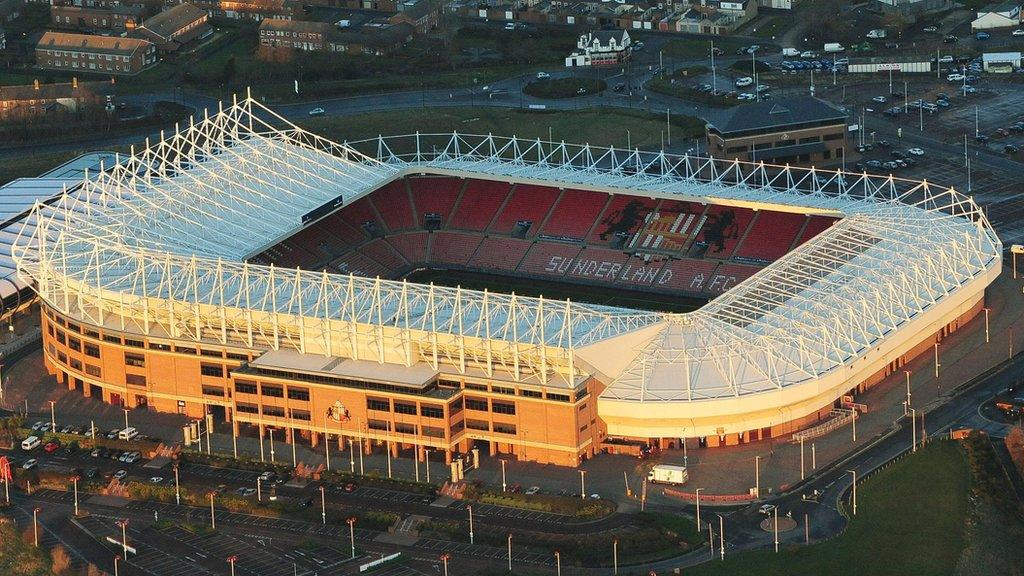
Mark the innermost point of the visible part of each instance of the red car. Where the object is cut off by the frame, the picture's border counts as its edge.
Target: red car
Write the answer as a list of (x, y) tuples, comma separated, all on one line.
[(51, 447)]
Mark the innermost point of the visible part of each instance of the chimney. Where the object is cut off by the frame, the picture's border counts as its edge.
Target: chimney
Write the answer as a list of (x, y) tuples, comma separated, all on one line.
[(35, 83), (74, 82)]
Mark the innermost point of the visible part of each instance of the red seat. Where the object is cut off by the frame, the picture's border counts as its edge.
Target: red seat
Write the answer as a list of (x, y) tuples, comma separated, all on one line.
[(497, 253), (815, 225), (549, 259), (453, 248), (686, 275), (623, 214), (575, 214), (727, 276), (723, 228), (432, 195), (479, 202), (527, 202), (381, 252), (771, 236), (412, 246), (394, 206)]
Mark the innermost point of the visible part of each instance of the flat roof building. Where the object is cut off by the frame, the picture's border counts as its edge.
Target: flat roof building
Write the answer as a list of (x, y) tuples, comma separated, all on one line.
[(88, 53), (798, 131)]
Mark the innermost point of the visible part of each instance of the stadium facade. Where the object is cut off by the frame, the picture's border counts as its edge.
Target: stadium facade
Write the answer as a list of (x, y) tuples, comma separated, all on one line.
[(241, 267)]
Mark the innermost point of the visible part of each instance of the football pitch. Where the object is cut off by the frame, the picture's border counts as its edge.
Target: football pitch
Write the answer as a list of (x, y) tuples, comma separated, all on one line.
[(607, 296)]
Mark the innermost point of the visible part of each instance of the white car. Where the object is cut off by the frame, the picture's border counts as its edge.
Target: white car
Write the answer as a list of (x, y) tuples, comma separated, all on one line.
[(532, 490), (931, 29), (510, 26), (156, 479), (30, 464), (316, 112), (809, 54), (916, 151), (1018, 32), (543, 75), (763, 87), (766, 508), (120, 474), (947, 59), (879, 99), (955, 77), (744, 81)]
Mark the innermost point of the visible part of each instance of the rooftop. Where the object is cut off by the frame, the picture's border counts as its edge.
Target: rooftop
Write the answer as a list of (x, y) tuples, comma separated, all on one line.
[(98, 44), (53, 91), (418, 375), (776, 114), (173, 19)]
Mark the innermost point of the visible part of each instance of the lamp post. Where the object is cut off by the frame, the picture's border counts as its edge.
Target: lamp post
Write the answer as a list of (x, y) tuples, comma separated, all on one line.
[(271, 432), (509, 551), (776, 529), (53, 418), (35, 525), (757, 476), (802, 475), (295, 461), (698, 506), (986, 324), (351, 456), (352, 534), (116, 560), (854, 472), (558, 563), (504, 486), (721, 536), (615, 557), (213, 514), (177, 486), (913, 430), (231, 561), (470, 508), (937, 360), (124, 536), (583, 484), (855, 424), (259, 489), (125, 418), (907, 372), (426, 457), (74, 480), (323, 507), (444, 559)]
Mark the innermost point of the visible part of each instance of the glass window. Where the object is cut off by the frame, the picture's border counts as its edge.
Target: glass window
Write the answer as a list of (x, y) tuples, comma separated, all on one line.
[(274, 391), (137, 360), (405, 408), (211, 370), (431, 411), (503, 407), (298, 393), (245, 387), (135, 379), (381, 404), (479, 404)]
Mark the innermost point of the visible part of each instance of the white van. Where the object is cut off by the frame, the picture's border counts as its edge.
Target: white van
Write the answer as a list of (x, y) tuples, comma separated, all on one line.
[(30, 443), (127, 433), (790, 52)]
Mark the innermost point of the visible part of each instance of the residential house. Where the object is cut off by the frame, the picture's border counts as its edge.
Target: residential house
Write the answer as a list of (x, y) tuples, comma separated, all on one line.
[(374, 40), (420, 14), (35, 100), (1000, 62), (256, 10), (601, 48), (802, 130), (86, 53), (1002, 15), (118, 18), (911, 9), (176, 26)]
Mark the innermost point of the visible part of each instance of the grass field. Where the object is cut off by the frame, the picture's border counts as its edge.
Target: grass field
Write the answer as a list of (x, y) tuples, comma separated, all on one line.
[(910, 521), (558, 290), (699, 48), (600, 127)]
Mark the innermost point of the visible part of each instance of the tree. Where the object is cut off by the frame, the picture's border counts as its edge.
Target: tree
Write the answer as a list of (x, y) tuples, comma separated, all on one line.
[(1015, 446), (229, 70)]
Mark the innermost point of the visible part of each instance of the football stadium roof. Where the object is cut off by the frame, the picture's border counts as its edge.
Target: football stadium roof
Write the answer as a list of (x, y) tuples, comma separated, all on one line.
[(158, 243)]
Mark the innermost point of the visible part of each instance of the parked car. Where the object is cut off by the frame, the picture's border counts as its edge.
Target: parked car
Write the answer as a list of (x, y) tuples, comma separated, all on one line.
[(543, 75), (716, 51), (156, 479), (120, 474), (317, 112), (982, 36), (931, 29), (1011, 149), (744, 81), (532, 490), (30, 464), (880, 99), (766, 508), (947, 59), (1018, 32), (950, 39), (92, 472), (809, 54), (955, 77), (350, 487), (916, 151), (981, 138), (51, 447), (113, 433), (874, 164)]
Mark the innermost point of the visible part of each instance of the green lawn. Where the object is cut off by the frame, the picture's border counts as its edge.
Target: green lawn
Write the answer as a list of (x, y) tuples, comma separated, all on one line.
[(768, 27), (601, 127), (910, 521), (699, 48)]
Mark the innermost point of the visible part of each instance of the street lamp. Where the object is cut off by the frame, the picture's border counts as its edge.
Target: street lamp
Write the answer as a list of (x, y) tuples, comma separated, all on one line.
[(35, 525), (615, 557), (444, 559), (231, 560), (271, 432), (323, 506), (504, 486), (721, 535), (124, 536), (698, 507), (53, 418), (126, 418), (352, 533), (177, 486), (913, 429), (854, 472), (509, 551), (74, 480), (757, 476), (558, 563), (470, 508), (583, 484), (213, 514)]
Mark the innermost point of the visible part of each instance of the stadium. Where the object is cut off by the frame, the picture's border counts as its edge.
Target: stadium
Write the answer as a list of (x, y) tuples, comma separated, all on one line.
[(249, 269)]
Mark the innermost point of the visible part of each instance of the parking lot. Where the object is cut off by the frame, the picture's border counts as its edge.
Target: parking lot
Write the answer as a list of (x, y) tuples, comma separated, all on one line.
[(491, 552), (506, 512)]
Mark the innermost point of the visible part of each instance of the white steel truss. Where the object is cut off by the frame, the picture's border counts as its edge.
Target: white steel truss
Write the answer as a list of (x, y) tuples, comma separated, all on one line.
[(156, 244)]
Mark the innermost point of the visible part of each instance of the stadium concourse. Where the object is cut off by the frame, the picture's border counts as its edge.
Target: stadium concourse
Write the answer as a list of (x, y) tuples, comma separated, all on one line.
[(252, 271)]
